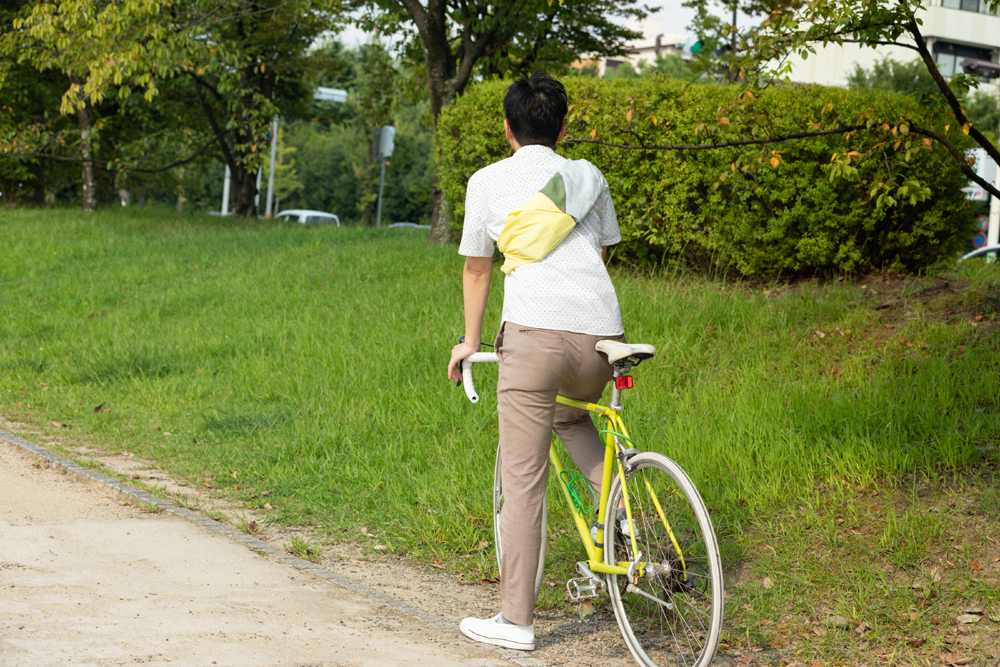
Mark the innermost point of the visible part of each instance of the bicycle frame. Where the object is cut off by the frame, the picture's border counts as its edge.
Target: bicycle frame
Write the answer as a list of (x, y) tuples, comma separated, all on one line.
[(614, 434), (616, 427)]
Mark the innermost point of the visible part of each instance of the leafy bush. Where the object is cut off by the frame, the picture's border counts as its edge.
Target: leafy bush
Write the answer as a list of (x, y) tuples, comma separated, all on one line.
[(728, 209)]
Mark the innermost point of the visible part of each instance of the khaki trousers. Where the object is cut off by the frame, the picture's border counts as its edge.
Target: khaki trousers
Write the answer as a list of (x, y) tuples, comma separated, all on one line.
[(535, 365)]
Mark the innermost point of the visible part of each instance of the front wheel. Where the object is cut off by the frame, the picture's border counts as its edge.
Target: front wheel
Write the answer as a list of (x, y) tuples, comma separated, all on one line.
[(497, 508), (672, 613)]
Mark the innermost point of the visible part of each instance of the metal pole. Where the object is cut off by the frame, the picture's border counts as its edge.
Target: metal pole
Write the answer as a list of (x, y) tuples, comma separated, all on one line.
[(381, 183), (225, 191), (256, 197), (993, 231), (270, 173)]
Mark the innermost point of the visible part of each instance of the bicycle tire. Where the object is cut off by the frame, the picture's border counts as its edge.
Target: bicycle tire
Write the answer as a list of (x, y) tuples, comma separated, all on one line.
[(684, 626), (497, 506)]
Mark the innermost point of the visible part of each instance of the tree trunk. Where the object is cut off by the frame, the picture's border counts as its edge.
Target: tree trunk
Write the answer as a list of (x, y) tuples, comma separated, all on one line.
[(244, 189), (85, 116), (440, 231)]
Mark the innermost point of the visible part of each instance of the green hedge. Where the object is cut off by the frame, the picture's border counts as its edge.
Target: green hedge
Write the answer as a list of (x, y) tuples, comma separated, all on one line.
[(672, 208)]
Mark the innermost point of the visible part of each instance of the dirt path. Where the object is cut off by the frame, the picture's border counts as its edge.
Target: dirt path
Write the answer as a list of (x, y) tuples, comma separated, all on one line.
[(86, 580)]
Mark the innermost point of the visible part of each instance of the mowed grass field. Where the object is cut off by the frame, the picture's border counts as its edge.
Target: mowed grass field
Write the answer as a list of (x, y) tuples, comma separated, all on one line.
[(843, 434)]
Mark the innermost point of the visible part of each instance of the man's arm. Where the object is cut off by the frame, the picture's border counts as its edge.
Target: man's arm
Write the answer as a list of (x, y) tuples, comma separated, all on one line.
[(476, 279)]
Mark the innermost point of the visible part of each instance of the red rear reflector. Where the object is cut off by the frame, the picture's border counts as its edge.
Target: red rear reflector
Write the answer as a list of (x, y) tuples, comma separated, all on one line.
[(623, 382)]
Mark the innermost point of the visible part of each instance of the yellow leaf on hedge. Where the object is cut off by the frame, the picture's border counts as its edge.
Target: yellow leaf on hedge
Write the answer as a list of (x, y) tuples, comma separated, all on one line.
[(628, 116), (965, 128), (593, 133)]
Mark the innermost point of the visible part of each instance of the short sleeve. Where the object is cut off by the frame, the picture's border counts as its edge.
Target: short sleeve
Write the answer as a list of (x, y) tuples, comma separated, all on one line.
[(476, 241), (610, 233)]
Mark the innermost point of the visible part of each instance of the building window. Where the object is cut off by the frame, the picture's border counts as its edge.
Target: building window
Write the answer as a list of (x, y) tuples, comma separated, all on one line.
[(949, 57), (979, 6)]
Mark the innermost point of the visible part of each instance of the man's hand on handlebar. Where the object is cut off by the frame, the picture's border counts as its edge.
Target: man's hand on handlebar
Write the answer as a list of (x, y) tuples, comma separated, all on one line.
[(461, 351)]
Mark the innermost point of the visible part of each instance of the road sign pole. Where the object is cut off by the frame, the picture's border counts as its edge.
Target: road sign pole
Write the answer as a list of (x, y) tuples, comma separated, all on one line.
[(270, 174), (381, 184)]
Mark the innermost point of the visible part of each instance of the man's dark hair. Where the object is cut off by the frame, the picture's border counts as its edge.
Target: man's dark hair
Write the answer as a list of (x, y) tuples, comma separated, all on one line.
[(535, 108)]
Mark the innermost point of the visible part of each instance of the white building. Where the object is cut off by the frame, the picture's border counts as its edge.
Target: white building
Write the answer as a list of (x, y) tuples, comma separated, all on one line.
[(956, 31), (643, 51)]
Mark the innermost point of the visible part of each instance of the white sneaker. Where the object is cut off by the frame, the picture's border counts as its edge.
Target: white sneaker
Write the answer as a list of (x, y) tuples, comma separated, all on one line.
[(492, 631)]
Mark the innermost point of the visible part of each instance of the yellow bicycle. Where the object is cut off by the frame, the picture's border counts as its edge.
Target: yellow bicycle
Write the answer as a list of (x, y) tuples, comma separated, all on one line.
[(649, 539)]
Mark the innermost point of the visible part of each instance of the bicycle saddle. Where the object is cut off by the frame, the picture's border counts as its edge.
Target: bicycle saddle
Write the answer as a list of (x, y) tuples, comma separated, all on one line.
[(617, 351)]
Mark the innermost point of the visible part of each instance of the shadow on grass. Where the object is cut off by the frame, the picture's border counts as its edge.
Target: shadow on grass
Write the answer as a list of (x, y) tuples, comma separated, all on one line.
[(134, 364), (246, 424)]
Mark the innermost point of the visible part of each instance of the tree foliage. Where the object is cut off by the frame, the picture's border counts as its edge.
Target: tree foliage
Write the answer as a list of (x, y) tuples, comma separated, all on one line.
[(727, 208), (457, 40), (767, 53), (982, 107), (878, 134), (236, 61)]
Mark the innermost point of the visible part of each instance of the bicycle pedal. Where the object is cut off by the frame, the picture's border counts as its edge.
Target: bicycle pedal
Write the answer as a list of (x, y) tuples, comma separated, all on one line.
[(581, 588)]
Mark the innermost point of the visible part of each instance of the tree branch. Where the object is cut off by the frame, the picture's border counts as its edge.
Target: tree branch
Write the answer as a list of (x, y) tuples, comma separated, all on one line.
[(193, 156), (727, 144), (219, 134), (959, 156), (949, 95), (61, 158)]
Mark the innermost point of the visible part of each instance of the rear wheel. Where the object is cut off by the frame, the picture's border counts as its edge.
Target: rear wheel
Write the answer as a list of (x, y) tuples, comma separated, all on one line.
[(497, 508), (672, 614)]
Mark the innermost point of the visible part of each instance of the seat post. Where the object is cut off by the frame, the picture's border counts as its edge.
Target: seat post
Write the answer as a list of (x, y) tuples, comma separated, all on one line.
[(622, 367)]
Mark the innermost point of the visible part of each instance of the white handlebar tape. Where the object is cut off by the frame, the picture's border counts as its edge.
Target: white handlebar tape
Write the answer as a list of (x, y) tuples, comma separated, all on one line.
[(481, 357)]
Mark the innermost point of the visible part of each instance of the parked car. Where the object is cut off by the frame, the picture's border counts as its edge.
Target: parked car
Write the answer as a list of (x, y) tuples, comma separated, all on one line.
[(408, 225), (981, 252), (306, 217)]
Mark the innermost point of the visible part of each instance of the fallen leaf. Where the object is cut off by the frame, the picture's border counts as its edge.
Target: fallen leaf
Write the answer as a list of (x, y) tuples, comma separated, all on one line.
[(916, 643), (482, 545), (437, 564), (98, 408), (267, 506), (967, 619), (975, 566), (767, 583)]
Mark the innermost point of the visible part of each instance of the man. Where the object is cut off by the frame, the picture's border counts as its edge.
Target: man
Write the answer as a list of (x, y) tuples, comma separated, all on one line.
[(558, 303)]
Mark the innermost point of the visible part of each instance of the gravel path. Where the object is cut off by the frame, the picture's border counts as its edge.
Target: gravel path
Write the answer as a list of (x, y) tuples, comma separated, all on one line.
[(83, 575), (85, 580)]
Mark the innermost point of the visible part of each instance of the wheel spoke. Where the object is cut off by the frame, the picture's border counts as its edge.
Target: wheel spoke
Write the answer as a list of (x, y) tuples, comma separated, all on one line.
[(674, 617)]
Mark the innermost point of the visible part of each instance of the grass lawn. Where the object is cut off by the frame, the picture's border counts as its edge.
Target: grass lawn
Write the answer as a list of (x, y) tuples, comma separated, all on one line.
[(844, 435)]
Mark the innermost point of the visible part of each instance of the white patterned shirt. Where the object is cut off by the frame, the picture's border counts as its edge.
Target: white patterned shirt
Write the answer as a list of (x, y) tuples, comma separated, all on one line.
[(568, 290)]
